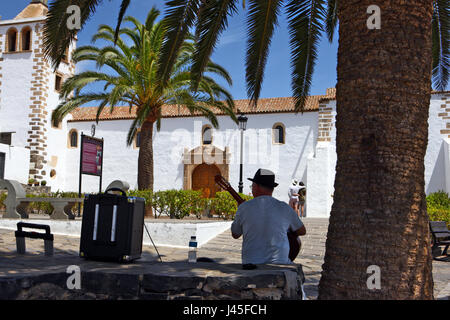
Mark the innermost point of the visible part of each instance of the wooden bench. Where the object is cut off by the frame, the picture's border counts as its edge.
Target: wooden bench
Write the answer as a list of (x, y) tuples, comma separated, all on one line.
[(441, 236)]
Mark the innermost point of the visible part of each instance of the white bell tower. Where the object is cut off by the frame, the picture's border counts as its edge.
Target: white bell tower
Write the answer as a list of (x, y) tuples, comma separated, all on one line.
[(29, 88)]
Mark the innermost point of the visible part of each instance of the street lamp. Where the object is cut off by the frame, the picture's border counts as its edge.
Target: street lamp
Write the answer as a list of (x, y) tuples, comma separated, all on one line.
[(242, 126)]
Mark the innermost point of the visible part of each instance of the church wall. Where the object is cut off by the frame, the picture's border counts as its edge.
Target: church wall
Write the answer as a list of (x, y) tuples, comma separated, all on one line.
[(56, 136), (17, 162), (120, 162), (438, 131), (322, 166)]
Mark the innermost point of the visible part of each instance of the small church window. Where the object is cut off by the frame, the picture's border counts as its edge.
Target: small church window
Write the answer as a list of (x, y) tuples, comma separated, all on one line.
[(73, 139), (278, 132), (26, 39), (58, 82), (6, 138), (12, 40), (207, 135)]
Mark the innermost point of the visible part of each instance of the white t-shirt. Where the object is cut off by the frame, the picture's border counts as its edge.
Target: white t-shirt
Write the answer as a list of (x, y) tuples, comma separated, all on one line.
[(293, 190), (264, 223)]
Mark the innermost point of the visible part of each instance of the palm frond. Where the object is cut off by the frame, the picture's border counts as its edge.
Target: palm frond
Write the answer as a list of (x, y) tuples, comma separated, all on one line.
[(220, 71), (151, 18), (261, 22), (180, 16), (331, 19), (65, 107), (79, 81), (123, 9), (441, 44), (212, 20), (305, 22), (57, 36)]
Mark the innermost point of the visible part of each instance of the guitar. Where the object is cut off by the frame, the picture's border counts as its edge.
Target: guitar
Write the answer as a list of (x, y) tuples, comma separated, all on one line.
[(294, 240)]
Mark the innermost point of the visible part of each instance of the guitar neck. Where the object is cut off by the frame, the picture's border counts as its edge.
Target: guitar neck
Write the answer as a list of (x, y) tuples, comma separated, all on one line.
[(224, 184), (235, 195)]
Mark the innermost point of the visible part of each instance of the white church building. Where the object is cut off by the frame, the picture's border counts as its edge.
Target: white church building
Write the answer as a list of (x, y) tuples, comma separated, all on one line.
[(188, 152)]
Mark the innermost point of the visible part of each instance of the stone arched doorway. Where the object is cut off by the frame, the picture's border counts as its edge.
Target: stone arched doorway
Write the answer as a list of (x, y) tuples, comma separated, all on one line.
[(199, 160), (203, 179)]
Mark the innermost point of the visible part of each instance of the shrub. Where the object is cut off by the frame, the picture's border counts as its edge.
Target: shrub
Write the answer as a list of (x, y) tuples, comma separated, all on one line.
[(39, 207), (179, 203), (160, 203), (437, 214), (225, 206), (438, 200), (438, 207), (193, 203), (43, 183)]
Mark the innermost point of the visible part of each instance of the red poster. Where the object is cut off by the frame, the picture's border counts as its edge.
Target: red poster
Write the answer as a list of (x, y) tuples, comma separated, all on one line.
[(91, 159)]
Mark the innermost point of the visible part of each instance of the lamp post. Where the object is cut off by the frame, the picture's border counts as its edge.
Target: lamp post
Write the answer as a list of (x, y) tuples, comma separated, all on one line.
[(242, 126)]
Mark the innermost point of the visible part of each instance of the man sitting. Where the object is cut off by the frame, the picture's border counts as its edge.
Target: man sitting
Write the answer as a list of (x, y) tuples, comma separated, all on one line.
[(264, 223)]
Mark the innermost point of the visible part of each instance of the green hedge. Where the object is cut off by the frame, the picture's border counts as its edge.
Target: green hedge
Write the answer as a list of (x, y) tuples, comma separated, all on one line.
[(39, 207), (224, 205), (438, 207), (178, 204)]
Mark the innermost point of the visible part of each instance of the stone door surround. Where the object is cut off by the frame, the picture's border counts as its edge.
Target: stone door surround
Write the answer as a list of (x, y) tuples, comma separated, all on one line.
[(206, 154)]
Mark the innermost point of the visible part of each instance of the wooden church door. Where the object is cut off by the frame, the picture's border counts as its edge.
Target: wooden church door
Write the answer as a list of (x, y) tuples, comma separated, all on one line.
[(203, 179)]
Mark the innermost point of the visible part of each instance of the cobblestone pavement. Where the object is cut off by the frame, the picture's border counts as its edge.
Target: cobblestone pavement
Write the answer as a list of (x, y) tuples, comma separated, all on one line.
[(223, 249)]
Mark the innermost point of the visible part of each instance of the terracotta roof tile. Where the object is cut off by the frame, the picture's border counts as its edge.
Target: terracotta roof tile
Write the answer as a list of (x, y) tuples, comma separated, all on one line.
[(268, 105)]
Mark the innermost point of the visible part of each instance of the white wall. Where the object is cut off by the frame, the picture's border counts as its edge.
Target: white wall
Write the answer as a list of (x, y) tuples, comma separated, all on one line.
[(120, 162), (17, 163), (322, 166), (435, 161), (57, 138), (17, 70), (321, 173)]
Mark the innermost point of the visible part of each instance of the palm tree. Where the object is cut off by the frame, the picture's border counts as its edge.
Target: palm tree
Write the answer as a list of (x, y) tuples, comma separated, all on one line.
[(383, 95), (132, 82)]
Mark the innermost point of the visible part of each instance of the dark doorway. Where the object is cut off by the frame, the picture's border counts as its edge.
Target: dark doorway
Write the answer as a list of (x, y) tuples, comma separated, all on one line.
[(2, 165)]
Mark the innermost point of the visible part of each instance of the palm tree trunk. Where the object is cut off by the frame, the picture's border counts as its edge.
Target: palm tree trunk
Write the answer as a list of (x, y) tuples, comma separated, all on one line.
[(379, 213), (145, 162)]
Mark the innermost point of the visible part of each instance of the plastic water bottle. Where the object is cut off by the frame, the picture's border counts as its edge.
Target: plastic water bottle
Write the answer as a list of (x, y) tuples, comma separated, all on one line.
[(192, 256)]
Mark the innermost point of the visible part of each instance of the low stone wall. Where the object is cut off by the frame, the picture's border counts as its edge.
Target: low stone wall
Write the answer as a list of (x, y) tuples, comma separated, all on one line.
[(37, 190), (164, 281)]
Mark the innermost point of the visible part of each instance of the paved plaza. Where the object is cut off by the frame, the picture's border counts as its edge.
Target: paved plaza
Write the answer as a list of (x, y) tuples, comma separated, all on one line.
[(223, 249)]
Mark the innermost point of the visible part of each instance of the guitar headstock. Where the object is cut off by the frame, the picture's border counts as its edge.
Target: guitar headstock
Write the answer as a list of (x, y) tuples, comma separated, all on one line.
[(222, 182)]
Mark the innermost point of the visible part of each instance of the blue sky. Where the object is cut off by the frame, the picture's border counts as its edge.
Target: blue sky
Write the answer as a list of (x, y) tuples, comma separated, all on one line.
[(230, 52)]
